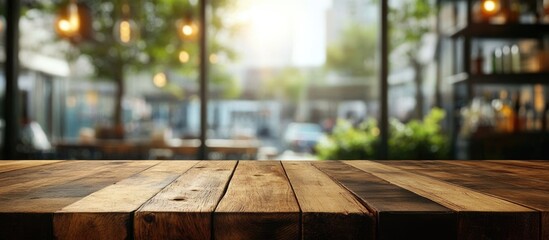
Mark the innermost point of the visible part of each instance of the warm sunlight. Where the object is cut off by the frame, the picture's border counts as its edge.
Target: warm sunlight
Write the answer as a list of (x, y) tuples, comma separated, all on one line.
[(277, 32), (266, 25)]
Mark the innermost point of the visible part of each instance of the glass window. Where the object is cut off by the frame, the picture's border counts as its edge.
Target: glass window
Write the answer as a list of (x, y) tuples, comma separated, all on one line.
[(284, 73)]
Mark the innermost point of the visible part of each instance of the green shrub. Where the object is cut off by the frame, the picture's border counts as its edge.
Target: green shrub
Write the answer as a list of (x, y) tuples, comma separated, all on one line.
[(415, 140)]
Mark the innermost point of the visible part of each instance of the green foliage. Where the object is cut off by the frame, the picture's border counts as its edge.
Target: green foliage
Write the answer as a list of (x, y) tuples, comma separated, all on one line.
[(158, 46), (350, 143), (410, 22), (416, 140), (288, 84), (221, 78), (354, 54), (420, 140)]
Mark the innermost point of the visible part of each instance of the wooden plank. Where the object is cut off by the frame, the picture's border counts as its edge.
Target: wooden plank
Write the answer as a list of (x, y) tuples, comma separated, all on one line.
[(27, 213), (184, 209), (10, 165), (49, 175), (259, 204), (531, 177), (107, 213), (400, 214), (527, 164), (328, 210), (521, 190), (480, 215)]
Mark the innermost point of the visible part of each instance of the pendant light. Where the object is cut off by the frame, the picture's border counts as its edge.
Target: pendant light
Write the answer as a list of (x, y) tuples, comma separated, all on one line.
[(125, 29), (68, 22)]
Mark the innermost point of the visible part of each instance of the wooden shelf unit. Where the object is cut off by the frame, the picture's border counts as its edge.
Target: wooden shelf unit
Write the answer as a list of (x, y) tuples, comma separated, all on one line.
[(463, 83)]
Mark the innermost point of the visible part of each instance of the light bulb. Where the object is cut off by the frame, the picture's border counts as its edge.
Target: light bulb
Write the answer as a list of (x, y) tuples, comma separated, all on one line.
[(489, 7), (74, 18), (187, 29), (126, 31), (160, 80), (184, 56), (64, 25), (213, 58), (68, 25)]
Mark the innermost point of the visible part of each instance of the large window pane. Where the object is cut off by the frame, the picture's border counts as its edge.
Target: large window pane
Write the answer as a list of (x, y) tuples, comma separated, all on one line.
[(284, 73)]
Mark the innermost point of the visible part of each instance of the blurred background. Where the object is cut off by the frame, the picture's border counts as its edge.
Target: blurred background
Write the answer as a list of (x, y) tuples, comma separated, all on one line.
[(275, 79)]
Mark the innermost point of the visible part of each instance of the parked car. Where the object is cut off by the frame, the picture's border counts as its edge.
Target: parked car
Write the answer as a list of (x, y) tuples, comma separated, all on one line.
[(302, 137)]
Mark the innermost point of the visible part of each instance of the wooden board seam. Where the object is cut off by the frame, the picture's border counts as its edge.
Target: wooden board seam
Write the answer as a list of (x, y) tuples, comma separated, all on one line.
[(485, 193), (450, 205), (296, 200), (131, 226), (132, 212), (212, 222), (359, 199)]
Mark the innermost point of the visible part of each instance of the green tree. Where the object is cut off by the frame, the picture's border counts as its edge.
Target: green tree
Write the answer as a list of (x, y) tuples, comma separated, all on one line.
[(285, 85), (409, 21), (354, 53), (159, 43)]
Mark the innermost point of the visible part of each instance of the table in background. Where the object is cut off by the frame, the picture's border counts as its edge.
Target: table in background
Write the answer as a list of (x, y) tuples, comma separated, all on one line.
[(274, 200), (171, 149)]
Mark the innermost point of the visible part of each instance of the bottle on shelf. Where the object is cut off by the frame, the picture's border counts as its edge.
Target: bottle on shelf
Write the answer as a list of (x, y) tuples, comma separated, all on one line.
[(528, 12), (506, 59), (530, 117), (545, 18), (516, 110), (497, 61), (513, 11), (504, 112), (515, 59), (545, 117), (538, 105), (478, 63)]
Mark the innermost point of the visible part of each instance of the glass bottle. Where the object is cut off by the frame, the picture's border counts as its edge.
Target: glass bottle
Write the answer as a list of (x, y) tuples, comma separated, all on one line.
[(506, 59), (504, 111), (515, 59), (498, 61), (478, 63)]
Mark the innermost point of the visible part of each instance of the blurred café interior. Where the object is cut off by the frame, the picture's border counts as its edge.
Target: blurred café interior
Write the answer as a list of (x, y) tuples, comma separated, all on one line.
[(274, 79)]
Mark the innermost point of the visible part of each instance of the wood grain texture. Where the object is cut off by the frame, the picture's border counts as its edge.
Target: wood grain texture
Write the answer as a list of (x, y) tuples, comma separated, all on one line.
[(502, 174), (527, 164), (29, 179), (328, 210), (28, 213), (528, 192), (518, 171), (107, 213), (10, 165), (400, 214), (184, 209), (259, 204), (480, 215)]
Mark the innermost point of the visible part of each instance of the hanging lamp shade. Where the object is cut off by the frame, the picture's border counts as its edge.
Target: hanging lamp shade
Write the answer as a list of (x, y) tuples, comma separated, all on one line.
[(74, 22), (126, 30)]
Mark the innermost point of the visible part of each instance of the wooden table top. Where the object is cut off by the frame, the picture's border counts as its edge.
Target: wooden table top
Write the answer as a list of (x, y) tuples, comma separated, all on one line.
[(274, 200)]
